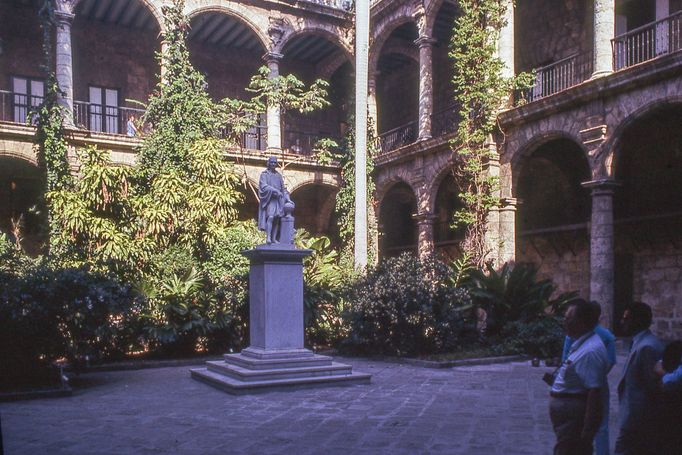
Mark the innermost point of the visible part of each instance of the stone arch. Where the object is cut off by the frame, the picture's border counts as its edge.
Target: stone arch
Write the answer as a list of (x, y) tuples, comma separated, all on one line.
[(608, 161), (314, 207), (71, 6), (21, 187), (397, 227), (333, 36), (432, 9), (434, 184), (409, 52), (385, 185), (384, 31), (524, 152), (240, 16), (19, 150)]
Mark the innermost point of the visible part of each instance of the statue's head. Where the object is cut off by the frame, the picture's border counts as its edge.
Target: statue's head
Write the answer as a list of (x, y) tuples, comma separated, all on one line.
[(272, 163)]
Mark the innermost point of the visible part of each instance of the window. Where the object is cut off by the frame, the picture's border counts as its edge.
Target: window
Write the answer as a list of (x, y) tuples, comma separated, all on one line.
[(26, 94), (104, 110)]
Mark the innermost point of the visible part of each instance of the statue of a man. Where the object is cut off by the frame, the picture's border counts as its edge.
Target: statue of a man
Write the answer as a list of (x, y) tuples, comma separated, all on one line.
[(273, 197)]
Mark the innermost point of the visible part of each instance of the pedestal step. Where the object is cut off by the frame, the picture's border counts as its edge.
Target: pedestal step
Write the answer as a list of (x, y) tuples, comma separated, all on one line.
[(251, 363), (235, 386), (283, 372)]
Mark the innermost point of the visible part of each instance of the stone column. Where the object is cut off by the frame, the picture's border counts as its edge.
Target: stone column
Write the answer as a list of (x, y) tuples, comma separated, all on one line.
[(505, 45), (604, 27), (273, 113), (64, 64), (602, 247), (425, 86), (507, 216), (164, 50), (372, 111), (662, 38), (425, 245)]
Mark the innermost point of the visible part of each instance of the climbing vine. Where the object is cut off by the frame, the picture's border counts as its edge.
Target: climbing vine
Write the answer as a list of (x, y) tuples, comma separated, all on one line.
[(345, 199), (480, 90), (51, 146)]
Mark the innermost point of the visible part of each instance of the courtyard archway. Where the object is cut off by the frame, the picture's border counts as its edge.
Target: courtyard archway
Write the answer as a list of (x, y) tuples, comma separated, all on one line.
[(397, 226)]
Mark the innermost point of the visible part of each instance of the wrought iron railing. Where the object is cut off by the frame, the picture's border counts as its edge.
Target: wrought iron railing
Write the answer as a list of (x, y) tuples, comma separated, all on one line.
[(647, 42), (17, 107), (445, 121), (302, 142), (558, 76), (108, 119), (398, 137)]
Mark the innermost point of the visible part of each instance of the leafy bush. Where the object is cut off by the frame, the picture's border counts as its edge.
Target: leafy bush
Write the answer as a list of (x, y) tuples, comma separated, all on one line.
[(323, 279), (512, 294), (225, 259), (542, 337), (406, 306), (50, 314)]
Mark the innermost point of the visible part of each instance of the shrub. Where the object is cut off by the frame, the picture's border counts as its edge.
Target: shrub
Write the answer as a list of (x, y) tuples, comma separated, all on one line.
[(542, 337), (405, 306), (511, 294), (50, 314)]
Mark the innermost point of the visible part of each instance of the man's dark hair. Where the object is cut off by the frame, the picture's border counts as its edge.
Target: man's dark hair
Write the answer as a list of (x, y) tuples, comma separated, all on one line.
[(641, 315), (584, 312)]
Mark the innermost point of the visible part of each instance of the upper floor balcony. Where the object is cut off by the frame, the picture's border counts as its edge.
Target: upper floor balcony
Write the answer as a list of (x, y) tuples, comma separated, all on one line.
[(639, 45)]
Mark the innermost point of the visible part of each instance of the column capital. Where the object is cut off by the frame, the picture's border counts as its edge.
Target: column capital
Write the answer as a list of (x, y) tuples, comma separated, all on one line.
[(509, 203), (425, 41), (64, 18), (601, 186), (273, 57)]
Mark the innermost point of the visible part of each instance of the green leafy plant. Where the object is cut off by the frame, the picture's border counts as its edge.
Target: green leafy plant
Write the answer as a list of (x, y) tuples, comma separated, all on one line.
[(406, 306), (513, 293), (345, 198), (480, 90), (323, 278), (51, 313), (542, 337)]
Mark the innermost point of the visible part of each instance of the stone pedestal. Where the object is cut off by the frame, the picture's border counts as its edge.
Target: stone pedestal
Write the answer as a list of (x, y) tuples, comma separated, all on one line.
[(276, 357)]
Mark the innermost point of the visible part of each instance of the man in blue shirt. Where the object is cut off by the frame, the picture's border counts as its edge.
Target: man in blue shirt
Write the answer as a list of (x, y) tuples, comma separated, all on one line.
[(575, 406), (601, 439)]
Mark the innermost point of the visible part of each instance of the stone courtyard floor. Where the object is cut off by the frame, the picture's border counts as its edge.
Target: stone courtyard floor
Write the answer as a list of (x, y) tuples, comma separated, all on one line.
[(492, 409)]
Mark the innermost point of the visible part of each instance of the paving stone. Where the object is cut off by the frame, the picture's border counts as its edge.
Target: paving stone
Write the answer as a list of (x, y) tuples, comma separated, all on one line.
[(490, 409)]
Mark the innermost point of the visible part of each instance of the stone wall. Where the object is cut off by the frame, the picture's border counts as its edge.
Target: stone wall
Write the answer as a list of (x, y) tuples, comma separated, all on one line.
[(570, 270), (21, 39), (549, 31), (227, 71), (658, 282), (113, 57)]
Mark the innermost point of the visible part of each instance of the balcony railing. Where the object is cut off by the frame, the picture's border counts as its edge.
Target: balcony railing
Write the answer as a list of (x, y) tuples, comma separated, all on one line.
[(558, 76), (398, 137), (647, 42), (17, 107), (302, 142), (107, 119), (445, 121)]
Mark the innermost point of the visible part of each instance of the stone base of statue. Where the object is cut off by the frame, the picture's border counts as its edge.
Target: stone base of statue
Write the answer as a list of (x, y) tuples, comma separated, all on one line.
[(276, 358)]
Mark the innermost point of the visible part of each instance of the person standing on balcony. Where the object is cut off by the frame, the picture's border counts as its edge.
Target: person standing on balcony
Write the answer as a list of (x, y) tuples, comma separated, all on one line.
[(131, 129)]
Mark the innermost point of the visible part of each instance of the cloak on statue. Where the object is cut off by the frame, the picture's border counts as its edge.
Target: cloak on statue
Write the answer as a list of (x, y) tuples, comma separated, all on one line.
[(270, 204)]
